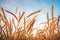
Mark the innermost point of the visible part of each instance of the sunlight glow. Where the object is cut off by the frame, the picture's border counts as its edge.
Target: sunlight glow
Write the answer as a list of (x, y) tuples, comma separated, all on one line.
[(34, 32), (41, 27)]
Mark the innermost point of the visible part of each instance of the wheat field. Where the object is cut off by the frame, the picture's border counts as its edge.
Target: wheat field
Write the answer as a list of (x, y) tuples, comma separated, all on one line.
[(23, 31)]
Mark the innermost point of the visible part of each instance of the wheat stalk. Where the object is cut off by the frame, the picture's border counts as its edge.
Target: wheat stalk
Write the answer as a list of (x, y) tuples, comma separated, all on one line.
[(31, 24), (47, 18), (24, 22), (34, 13), (21, 16), (3, 11), (16, 10), (11, 14)]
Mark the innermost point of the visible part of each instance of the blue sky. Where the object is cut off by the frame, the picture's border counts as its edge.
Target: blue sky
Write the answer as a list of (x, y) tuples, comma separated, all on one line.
[(32, 5)]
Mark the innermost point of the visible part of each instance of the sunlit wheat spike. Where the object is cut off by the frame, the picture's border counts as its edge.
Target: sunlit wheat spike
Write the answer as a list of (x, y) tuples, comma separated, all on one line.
[(11, 14), (31, 24), (14, 23), (3, 11), (24, 22), (10, 28), (18, 15), (47, 18), (21, 16), (52, 14), (16, 9), (34, 13), (52, 26), (29, 20)]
